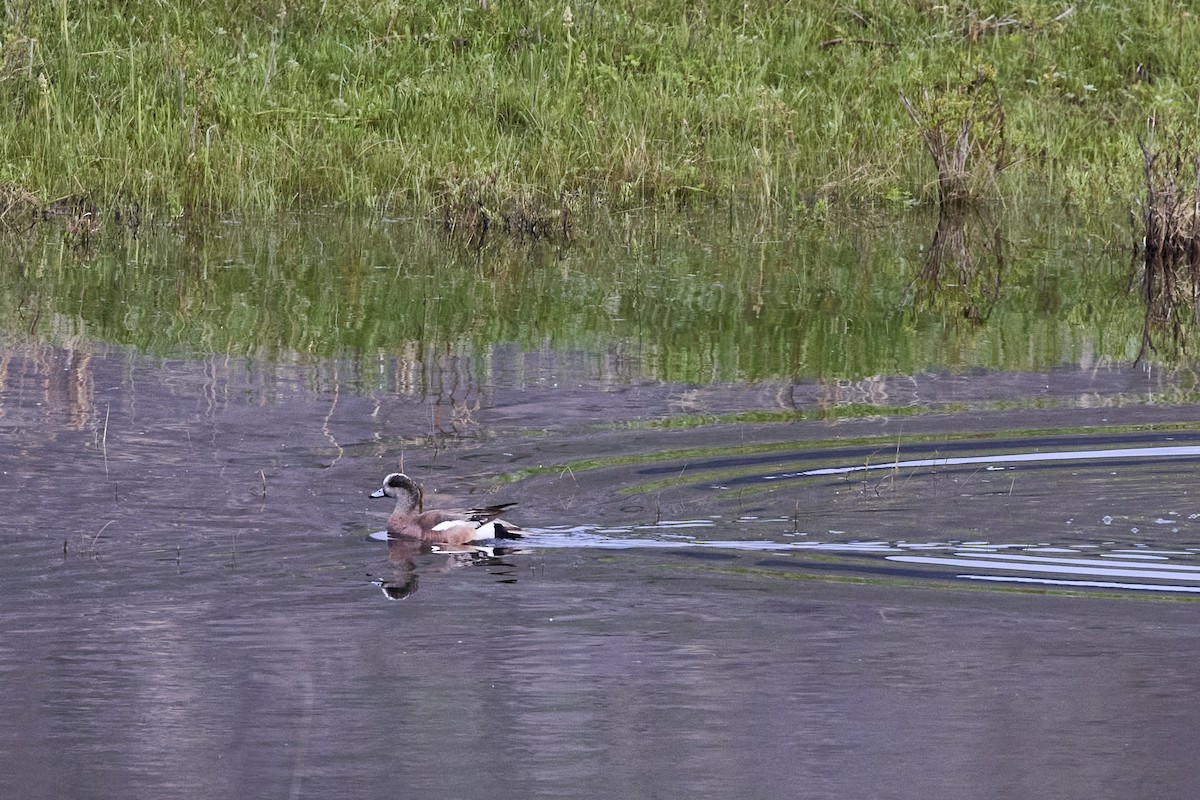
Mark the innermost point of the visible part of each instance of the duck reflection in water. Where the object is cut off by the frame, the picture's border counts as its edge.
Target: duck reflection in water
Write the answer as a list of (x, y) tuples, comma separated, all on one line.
[(438, 540), (410, 559)]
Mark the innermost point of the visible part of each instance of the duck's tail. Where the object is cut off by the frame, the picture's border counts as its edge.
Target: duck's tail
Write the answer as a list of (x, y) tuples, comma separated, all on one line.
[(488, 513), (501, 531)]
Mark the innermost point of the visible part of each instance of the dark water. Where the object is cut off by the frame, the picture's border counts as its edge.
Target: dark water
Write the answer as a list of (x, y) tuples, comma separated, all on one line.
[(813, 510), (192, 600)]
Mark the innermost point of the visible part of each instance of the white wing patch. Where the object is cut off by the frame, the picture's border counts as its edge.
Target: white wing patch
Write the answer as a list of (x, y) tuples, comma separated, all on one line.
[(487, 531)]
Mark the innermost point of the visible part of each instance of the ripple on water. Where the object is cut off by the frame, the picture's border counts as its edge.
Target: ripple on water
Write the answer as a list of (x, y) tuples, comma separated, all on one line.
[(1055, 511), (1017, 565)]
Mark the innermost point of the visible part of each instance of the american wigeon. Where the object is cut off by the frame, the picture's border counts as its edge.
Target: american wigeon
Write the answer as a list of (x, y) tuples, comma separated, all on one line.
[(442, 526)]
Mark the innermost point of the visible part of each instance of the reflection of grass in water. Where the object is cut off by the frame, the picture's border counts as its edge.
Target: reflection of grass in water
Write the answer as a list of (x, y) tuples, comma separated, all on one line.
[(860, 411), (720, 476), (934, 582), (848, 411), (588, 464), (648, 300), (887, 449)]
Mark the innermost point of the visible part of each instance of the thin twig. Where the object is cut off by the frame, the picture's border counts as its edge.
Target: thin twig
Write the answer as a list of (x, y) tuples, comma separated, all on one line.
[(104, 438), (97, 536)]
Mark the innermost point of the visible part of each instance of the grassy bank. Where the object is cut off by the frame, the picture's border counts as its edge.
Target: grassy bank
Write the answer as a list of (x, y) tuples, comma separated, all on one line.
[(231, 106)]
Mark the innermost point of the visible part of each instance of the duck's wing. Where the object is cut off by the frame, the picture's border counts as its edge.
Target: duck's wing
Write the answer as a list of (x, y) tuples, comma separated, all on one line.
[(483, 523), (465, 530)]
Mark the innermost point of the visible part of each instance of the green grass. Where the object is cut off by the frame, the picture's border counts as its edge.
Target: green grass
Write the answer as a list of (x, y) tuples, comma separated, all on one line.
[(400, 108)]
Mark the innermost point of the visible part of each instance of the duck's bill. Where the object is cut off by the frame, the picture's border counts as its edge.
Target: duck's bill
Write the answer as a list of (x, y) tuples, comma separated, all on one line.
[(377, 493)]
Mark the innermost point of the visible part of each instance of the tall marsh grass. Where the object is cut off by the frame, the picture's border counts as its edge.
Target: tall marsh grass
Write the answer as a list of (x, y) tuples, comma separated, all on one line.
[(1170, 252), (221, 105)]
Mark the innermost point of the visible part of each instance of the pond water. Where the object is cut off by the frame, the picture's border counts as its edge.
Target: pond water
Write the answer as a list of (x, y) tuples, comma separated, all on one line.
[(798, 525)]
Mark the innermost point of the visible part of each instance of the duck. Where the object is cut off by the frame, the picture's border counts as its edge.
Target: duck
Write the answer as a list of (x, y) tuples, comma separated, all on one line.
[(441, 526)]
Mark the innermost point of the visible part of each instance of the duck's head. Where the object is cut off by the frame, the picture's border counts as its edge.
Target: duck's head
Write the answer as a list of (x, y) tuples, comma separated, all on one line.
[(400, 487)]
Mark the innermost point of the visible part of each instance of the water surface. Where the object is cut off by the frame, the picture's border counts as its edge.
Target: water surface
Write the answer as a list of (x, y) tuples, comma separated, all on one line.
[(966, 577)]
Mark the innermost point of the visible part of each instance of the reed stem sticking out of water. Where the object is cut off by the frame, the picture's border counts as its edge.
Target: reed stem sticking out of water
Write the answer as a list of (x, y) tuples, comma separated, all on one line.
[(1170, 252), (964, 267), (471, 211)]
